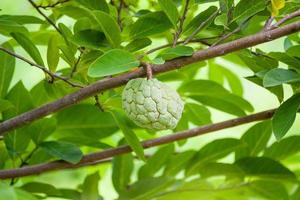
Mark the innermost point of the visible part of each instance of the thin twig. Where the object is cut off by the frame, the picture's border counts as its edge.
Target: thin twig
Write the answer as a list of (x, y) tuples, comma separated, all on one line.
[(236, 30), (200, 27), (44, 69), (268, 23), (52, 5), (97, 157), (74, 69), (181, 22), (119, 14), (286, 18), (98, 104), (148, 69), (45, 16), (117, 81)]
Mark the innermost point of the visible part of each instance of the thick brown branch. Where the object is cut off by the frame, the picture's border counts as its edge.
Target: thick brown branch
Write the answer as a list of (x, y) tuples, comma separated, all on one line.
[(44, 69), (117, 81), (95, 158)]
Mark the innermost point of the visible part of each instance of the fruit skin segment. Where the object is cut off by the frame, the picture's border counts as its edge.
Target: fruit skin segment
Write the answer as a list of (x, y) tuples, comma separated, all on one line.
[(152, 104)]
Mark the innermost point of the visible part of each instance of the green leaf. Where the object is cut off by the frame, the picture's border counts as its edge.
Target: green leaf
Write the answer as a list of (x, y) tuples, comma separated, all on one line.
[(53, 53), (22, 19), (90, 187), (270, 189), (285, 58), (264, 167), (129, 135), (122, 168), (285, 115), (212, 94), (5, 105), (198, 19), (156, 161), (93, 39), (197, 114), (38, 187), (284, 148), (23, 195), (256, 139), (175, 52), (41, 129), (149, 24), (138, 44), (245, 9), (29, 47), (112, 62), (178, 162), (213, 151), (279, 76), (221, 169), (97, 125), (95, 5), (7, 68), (169, 7), (109, 27), (146, 188), (62, 150), (82, 140), (7, 192), (9, 26), (294, 51)]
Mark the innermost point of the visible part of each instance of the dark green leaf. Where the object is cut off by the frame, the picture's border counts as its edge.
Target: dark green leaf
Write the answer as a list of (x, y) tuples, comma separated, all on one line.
[(149, 24), (264, 167), (90, 187), (122, 168), (97, 125), (112, 62), (178, 51), (285, 115), (38, 188), (29, 47), (177, 162), (61, 150), (9, 26), (156, 161), (220, 169), (279, 76), (138, 44), (129, 135), (146, 188), (5, 105), (284, 148), (41, 129), (197, 114), (53, 54), (93, 39), (109, 27), (169, 7), (213, 151), (245, 9), (22, 19), (6, 69), (256, 139)]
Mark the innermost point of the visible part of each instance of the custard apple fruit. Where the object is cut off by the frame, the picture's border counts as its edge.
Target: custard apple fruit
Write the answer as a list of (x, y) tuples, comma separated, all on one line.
[(151, 104)]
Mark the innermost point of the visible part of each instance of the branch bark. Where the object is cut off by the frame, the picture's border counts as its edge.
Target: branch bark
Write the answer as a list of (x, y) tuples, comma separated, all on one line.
[(117, 81), (99, 157)]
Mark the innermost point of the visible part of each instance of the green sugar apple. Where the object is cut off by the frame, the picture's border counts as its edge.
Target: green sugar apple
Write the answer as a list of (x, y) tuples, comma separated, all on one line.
[(151, 104)]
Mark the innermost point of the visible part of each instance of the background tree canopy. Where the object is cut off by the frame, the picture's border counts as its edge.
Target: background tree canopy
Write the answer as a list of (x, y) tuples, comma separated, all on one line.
[(64, 65)]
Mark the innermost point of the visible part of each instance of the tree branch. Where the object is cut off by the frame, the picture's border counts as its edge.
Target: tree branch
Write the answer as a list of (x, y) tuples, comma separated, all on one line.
[(44, 69), (181, 21), (286, 18), (117, 81), (45, 16), (98, 157)]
